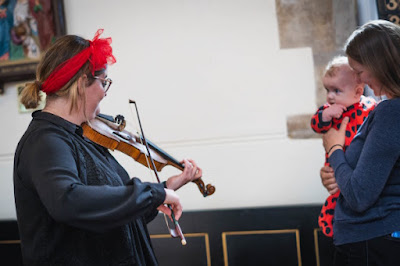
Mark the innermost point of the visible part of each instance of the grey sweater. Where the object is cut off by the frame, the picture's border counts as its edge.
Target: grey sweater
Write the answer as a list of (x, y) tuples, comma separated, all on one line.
[(368, 176)]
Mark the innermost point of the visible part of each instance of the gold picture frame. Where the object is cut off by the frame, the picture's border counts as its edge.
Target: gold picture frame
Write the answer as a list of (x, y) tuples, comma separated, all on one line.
[(25, 68)]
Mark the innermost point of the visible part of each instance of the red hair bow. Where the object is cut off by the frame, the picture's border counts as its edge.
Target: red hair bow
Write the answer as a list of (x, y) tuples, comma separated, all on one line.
[(99, 54)]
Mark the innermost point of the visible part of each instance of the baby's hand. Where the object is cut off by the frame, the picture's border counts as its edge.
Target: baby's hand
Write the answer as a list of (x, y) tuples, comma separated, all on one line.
[(333, 111)]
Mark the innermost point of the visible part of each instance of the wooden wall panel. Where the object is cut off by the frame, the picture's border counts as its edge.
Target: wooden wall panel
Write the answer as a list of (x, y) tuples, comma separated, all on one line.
[(286, 235)]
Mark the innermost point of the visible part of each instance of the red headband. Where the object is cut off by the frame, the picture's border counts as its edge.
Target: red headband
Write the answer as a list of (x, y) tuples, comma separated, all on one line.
[(99, 54)]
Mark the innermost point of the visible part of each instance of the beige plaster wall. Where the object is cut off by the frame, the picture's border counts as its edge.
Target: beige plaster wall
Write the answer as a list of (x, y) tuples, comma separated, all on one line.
[(322, 25), (213, 82)]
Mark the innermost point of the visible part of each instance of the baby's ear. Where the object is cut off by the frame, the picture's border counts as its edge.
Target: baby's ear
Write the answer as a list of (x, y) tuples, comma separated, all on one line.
[(359, 90)]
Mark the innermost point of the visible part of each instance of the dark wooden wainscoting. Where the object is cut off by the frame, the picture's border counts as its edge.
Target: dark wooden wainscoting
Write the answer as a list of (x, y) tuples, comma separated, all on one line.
[(284, 236)]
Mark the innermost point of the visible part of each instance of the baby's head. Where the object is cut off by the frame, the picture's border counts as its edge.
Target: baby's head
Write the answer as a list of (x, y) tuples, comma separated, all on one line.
[(341, 83)]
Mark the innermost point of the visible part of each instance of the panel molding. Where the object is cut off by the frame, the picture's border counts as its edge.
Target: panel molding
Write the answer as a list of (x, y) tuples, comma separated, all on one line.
[(250, 138), (8, 242), (316, 245), (6, 157), (189, 235), (260, 232), (324, 248)]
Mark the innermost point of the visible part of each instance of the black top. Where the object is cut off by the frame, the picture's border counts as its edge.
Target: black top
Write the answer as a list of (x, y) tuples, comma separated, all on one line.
[(75, 203)]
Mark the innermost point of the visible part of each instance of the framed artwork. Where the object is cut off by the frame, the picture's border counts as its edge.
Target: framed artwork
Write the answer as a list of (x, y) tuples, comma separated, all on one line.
[(27, 28)]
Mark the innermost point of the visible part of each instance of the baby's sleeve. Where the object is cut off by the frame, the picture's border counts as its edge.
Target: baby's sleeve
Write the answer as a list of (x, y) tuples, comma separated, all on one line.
[(317, 124)]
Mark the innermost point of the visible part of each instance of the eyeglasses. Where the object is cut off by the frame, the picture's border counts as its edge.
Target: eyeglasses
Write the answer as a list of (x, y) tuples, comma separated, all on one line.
[(106, 83)]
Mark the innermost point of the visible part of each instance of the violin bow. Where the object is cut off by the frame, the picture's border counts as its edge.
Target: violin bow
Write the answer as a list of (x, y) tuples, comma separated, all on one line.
[(177, 232)]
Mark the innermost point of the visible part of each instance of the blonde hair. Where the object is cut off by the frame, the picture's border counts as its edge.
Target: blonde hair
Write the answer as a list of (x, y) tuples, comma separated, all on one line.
[(336, 63), (63, 49)]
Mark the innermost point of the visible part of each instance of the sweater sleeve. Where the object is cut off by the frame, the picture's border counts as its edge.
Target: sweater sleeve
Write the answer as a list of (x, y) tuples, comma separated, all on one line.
[(362, 185), (317, 124), (55, 178)]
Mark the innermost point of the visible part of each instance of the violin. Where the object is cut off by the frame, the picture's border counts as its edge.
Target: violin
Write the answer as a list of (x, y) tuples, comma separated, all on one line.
[(110, 133)]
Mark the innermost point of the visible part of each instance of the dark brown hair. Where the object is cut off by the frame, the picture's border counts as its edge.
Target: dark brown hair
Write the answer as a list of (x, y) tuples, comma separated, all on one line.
[(376, 45)]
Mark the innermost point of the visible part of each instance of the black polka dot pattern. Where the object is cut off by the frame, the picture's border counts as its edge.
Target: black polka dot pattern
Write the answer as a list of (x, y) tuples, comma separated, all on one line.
[(357, 114)]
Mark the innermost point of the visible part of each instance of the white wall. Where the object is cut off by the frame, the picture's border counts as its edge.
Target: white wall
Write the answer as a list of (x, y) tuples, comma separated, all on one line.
[(211, 84)]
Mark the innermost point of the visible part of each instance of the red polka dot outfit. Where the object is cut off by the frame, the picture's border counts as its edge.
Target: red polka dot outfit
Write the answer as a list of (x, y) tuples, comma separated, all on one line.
[(357, 114)]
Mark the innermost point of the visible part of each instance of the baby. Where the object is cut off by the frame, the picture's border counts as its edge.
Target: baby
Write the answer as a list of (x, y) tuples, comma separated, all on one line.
[(344, 99)]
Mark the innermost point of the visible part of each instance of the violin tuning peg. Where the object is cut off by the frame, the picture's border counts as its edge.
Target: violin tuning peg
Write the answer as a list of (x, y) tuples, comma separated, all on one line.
[(119, 119)]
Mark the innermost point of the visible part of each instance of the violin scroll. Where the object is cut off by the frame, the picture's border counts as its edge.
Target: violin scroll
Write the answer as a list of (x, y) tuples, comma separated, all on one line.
[(205, 190)]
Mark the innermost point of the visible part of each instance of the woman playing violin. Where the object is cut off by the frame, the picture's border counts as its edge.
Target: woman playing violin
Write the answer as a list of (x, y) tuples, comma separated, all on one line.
[(76, 205)]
